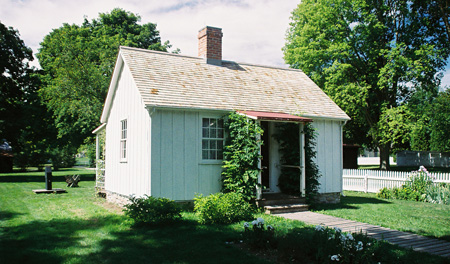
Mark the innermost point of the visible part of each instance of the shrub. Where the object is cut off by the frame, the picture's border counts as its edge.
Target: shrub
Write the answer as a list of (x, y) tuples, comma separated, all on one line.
[(257, 235), (385, 193), (325, 245), (222, 208), (241, 156), (415, 188), (439, 194), (152, 210)]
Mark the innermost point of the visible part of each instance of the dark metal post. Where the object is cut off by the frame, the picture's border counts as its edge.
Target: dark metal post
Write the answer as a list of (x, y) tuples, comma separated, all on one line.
[(48, 177)]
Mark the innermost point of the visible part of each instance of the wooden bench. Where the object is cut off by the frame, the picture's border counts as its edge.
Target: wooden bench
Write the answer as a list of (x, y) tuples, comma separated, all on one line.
[(72, 180)]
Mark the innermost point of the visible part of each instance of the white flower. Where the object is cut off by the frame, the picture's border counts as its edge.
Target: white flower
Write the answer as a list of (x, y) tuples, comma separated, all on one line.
[(270, 228), (359, 246), (246, 225), (260, 220), (319, 228), (349, 236), (335, 257), (254, 222), (337, 229)]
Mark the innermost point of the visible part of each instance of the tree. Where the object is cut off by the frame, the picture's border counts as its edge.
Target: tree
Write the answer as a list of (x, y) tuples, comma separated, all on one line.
[(24, 120), (14, 68), (440, 122), (368, 56), (78, 61)]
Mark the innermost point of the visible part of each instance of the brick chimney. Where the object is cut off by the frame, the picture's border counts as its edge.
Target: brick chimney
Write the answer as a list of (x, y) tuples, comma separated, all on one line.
[(210, 45)]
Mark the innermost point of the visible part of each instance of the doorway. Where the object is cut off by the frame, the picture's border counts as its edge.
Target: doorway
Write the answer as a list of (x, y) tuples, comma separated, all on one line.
[(265, 160)]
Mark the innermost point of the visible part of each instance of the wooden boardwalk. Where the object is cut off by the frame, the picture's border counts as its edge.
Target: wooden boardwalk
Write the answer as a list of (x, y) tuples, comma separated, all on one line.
[(403, 239)]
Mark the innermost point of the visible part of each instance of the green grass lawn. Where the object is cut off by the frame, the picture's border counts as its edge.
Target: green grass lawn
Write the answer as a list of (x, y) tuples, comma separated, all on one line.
[(78, 227), (426, 219), (82, 162)]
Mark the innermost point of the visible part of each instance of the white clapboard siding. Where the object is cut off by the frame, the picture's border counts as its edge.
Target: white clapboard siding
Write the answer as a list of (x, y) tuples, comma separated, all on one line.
[(130, 176), (374, 180), (329, 154)]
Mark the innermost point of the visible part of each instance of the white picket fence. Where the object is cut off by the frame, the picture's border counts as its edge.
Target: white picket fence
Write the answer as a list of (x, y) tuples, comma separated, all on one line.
[(374, 180)]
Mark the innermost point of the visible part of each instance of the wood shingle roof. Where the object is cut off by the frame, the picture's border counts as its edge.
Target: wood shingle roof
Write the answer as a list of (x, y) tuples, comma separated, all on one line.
[(177, 81)]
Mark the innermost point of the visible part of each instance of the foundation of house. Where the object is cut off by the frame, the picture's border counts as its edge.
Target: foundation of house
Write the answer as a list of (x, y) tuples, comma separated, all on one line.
[(328, 198)]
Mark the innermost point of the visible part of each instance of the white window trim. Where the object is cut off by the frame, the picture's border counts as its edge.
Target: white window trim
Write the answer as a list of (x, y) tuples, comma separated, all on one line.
[(208, 161)]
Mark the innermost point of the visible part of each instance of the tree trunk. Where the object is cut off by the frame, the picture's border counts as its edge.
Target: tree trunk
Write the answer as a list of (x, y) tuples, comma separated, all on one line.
[(384, 157)]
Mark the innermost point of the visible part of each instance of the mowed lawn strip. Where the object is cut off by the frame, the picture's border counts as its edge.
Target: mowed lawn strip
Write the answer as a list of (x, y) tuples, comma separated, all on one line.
[(417, 217)]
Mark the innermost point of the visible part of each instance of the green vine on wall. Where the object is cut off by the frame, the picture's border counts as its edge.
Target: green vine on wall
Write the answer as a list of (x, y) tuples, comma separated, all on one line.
[(289, 180), (241, 155)]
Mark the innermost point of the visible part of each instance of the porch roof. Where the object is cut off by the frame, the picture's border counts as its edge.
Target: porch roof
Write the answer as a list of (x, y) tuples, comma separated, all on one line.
[(270, 116)]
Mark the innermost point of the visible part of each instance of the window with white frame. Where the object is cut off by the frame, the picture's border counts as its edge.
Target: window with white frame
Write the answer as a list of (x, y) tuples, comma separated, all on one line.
[(212, 138), (123, 140)]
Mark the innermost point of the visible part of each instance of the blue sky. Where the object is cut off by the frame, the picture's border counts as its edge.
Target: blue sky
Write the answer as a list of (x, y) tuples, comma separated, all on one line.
[(254, 30)]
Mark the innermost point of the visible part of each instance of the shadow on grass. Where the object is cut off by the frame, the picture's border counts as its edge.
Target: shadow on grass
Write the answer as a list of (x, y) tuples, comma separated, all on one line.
[(32, 178), (109, 240), (350, 202), (43, 241), (6, 215)]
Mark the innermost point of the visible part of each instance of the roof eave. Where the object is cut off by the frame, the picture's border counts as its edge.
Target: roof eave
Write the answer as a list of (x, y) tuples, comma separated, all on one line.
[(99, 128), (112, 88)]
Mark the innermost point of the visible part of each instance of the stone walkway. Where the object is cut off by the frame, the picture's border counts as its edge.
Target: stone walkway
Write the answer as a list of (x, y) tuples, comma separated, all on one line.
[(403, 239)]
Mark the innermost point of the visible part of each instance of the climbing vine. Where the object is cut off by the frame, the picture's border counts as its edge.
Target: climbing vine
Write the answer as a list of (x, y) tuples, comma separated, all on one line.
[(241, 155), (289, 180)]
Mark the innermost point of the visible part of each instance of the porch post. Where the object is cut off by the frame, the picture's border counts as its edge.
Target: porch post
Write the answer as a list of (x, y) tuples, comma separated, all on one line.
[(302, 160), (259, 184), (97, 147)]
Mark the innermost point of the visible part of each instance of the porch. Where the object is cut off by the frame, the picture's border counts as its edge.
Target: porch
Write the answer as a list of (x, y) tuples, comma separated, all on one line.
[(273, 162), (278, 203)]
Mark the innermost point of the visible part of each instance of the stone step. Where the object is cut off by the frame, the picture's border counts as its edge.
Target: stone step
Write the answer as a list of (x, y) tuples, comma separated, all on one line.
[(285, 208), (279, 199), (285, 201)]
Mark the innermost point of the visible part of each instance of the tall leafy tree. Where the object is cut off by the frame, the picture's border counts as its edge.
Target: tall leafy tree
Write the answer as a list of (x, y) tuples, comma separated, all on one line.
[(440, 122), (22, 115), (14, 69), (78, 61), (368, 56)]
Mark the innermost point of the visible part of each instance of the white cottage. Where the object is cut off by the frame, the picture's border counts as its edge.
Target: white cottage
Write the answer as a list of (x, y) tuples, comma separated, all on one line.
[(164, 112)]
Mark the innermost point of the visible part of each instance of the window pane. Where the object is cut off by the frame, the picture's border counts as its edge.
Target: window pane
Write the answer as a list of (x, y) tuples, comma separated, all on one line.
[(205, 122), (219, 144), (205, 144), (204, 154), (213, 133), (219, 154), (213, 144), (213, 122), (219, 133), (212, 154), (205, 133), (220, 123), (123, 149)]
